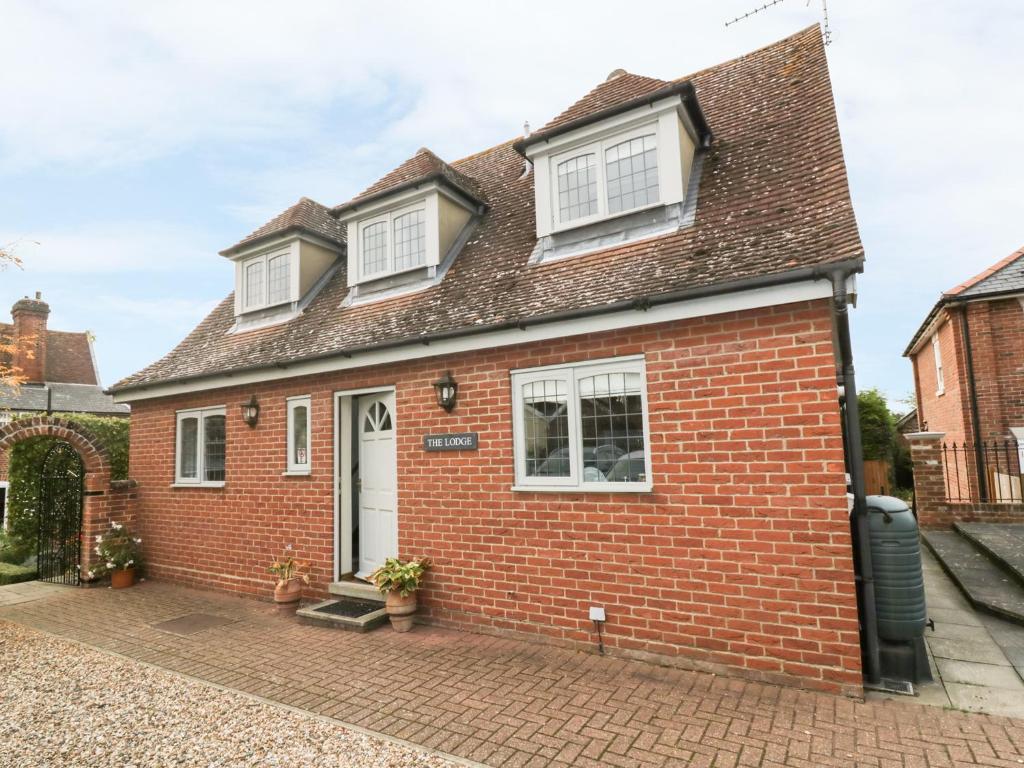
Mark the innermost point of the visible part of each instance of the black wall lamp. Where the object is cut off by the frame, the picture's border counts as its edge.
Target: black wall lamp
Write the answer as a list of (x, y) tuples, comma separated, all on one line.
[(447, 390), (251, 412)]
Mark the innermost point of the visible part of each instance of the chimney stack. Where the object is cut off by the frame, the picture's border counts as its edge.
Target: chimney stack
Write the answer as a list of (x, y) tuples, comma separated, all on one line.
[(30, 337)]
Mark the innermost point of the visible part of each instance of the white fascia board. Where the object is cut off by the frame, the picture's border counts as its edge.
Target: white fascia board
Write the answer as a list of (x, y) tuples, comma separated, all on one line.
[(928, 332), (278, 242), (737, 301), (383, 204)]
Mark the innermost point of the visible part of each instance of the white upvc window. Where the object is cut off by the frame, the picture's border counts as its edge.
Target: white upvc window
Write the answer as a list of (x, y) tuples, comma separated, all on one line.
[(582, 426), (200, 447), (940, 381), (299, 440), (266, 280), (395, 241), (605, 178)]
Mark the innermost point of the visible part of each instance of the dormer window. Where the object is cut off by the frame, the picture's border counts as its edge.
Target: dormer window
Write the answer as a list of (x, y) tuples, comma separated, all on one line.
[(404, 233), (636, 156), (607, 177), (394, 242), (266, 280)]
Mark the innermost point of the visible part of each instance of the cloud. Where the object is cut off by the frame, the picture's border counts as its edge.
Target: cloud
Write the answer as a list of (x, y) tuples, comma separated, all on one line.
[(115, 247)]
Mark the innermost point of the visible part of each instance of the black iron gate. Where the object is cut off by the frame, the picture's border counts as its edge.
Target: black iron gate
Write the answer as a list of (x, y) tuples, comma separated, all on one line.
[(59, 548)]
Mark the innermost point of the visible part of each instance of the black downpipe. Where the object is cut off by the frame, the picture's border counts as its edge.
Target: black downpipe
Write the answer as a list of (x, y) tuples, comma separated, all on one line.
[(855, 459), (979, 461)]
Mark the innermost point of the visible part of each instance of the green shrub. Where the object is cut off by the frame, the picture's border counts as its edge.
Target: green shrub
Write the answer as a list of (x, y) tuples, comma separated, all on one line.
[(12, 574), (14, 551)]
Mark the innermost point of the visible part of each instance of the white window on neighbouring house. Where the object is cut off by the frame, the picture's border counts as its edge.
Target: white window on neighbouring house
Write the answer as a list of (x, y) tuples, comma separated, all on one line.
[(266, 280), (299, 459), (582, 427), (200, 447), (940, 381)]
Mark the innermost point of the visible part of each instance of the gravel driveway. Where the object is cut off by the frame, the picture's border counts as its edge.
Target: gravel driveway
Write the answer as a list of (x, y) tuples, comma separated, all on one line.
[(65, 705)]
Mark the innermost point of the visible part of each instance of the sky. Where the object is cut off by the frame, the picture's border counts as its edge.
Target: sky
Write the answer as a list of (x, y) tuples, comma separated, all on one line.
[(139, 139)]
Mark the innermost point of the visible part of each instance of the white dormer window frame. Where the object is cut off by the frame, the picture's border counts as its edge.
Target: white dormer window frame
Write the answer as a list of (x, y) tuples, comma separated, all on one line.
[(386, 223), (260, 281), (443, 213), (674, 144)]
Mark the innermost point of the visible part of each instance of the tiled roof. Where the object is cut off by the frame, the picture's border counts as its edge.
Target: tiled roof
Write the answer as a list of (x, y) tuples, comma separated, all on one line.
[(617, 89), (421, 167), (68, 356), (1005, 276), (60, 398), (305, 216), (773, 198)]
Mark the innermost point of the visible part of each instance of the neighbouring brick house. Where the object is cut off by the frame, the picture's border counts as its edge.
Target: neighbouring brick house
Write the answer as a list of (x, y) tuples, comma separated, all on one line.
[(637, 304), (969, 379), (58, 369)]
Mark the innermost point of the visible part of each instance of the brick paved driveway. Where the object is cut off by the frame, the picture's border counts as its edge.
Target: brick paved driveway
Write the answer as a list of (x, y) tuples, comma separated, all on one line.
[(509, 703)]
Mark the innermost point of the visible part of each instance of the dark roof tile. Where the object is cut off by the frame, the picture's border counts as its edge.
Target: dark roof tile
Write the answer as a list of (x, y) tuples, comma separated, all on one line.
[(305, 216)]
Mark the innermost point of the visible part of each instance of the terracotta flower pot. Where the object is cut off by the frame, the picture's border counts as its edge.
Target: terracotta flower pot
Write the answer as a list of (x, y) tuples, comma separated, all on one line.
[(289, 592), (400, 609), (122, 578)]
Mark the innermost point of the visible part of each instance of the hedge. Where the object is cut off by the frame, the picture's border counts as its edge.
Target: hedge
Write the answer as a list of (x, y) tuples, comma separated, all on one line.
[(12, 574), (26, 458)]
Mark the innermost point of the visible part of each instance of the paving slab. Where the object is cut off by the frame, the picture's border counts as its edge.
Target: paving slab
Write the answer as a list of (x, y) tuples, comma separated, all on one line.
[(986, 652), (27, 591), (976, 698), (973, 673), (983, 582), (1003, 542)]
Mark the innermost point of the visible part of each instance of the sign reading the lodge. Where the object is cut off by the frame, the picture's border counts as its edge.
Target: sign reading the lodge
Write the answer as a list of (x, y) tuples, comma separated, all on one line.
[(464, 441)]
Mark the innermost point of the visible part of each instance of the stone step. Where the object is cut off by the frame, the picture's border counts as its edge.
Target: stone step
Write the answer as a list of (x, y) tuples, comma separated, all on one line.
[(359, 589), (982, 581), (331, 613), (1002, 542)]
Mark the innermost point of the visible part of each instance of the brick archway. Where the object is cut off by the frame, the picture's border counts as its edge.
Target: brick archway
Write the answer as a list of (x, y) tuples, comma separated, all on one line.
[(96, 503)]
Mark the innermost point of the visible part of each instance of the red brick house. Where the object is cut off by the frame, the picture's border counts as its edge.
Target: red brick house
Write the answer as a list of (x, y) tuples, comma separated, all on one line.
[(58, 371), (638, 304), (969, 379)]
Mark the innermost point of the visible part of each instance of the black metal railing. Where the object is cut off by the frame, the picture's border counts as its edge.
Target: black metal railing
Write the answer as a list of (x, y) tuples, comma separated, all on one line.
[(989, 471)]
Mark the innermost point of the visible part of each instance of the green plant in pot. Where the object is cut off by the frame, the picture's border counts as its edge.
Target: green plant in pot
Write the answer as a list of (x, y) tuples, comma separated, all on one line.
[(290, 578), (399, 582), (119, 555)]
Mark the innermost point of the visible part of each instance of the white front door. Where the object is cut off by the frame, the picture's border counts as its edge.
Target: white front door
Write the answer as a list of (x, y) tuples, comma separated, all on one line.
[(378, 514)]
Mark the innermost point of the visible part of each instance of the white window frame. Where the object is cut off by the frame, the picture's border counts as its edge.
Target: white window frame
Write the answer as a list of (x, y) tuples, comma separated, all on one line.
[(264, 300), (598, 149), (388, 217), (299, 401), (200, 414), (571, 373), (940, 376)]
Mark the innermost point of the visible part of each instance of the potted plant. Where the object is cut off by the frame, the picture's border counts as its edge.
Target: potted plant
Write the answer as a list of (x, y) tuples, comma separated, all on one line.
[(399, 582), (119, 555), (290, 579)]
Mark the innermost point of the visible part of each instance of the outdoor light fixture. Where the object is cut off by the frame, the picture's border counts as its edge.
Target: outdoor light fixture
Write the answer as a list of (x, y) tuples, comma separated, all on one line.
[(251, 412), (446, 389)]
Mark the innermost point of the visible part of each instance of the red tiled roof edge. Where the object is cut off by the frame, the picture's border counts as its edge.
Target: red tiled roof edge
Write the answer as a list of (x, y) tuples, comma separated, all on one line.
[(986, 273)]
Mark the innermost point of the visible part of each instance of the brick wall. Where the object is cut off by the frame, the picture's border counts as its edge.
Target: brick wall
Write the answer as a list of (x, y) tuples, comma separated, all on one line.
[(944, 412), (738, 560)]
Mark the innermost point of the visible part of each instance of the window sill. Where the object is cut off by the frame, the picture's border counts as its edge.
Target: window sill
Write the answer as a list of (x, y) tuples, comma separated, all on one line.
[(578, 223), (603, 488), (940, 392), (197, 485), (297, 473)]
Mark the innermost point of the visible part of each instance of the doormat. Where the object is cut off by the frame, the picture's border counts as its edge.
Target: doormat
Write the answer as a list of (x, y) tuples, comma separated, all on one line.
[(350, 607), (191, 623)]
